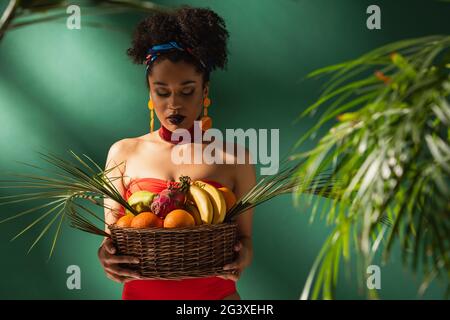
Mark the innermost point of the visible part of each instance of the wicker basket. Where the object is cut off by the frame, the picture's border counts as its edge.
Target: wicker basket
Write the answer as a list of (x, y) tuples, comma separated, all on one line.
[(178, 253)]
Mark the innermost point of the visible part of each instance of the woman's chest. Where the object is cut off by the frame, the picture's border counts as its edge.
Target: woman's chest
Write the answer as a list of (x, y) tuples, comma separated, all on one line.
[(167, 164)]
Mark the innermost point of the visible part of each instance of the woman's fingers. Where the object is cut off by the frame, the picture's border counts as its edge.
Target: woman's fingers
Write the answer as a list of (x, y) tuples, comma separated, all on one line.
[(237, 264), (114, 277), (122, 259), (230, 266), (118, 278), (225, 277), (234, 275), (127, 273), (238, 246), (111, 263), (109, 246), (121, 272)]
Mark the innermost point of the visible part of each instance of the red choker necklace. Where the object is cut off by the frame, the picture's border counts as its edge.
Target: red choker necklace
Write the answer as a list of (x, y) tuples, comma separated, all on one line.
[(166, 134)]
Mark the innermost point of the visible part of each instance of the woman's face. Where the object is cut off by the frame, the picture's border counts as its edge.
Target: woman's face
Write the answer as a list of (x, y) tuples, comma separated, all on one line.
[(177, 92)]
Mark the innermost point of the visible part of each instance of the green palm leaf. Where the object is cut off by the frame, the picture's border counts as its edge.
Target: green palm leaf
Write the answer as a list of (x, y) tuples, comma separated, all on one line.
[(21, 13), (77, 180), (281, 183), (390, 152)]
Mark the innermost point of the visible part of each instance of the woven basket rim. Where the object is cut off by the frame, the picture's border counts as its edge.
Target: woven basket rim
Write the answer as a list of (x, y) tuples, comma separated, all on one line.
[(198, 228)]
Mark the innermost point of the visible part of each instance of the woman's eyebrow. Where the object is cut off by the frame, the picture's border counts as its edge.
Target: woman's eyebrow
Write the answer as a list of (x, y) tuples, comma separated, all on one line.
[(183, 83), (187, 82)]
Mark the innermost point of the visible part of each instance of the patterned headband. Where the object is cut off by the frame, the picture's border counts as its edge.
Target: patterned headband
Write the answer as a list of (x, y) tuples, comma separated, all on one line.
[(155, 51)]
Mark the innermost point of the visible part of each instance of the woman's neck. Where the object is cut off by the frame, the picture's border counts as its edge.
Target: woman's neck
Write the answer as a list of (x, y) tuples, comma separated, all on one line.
[(166, 134)]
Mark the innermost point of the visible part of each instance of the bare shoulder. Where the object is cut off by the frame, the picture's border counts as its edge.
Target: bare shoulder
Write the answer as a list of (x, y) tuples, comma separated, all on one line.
[(232, 152), (119, 151), (121, 147), (239, 153), (244, 169), (240, 157)]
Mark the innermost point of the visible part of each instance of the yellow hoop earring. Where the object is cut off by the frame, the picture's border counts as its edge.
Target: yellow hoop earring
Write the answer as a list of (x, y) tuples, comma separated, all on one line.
[(152, 116), (206, 121)]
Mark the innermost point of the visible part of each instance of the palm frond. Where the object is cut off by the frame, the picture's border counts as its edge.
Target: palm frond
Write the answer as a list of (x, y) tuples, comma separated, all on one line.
[(23, 13), (390, 152), (64, 186), (281, 183)]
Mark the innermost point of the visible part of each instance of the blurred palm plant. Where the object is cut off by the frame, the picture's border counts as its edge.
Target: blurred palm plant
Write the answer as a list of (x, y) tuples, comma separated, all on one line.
[(390, 151), (20, 13)]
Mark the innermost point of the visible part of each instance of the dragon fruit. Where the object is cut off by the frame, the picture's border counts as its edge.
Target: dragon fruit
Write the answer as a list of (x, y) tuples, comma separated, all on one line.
[(171, 198)]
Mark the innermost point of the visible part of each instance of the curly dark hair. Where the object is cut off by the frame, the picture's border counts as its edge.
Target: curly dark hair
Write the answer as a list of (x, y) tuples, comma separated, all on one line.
[(201, 29)]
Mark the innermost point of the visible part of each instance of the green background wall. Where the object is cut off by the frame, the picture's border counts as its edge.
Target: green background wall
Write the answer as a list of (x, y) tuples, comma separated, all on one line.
[(76, 89)]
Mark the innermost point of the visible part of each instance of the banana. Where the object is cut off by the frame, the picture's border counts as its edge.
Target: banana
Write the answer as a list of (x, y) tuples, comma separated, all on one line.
[(217, 200), (192, 209), (201, 200)]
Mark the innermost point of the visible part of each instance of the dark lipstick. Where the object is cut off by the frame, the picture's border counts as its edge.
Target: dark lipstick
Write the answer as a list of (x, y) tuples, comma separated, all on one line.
[(176, 119)]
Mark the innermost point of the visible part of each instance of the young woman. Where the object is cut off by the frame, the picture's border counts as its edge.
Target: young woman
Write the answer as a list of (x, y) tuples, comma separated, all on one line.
[(179, 50)]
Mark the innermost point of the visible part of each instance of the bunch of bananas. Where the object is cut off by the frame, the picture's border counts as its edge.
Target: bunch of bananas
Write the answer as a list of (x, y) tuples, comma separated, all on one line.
[(206, 203)]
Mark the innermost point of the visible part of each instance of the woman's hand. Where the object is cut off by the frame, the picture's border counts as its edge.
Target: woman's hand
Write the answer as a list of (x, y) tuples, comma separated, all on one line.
[(244, 247), (111, 263)]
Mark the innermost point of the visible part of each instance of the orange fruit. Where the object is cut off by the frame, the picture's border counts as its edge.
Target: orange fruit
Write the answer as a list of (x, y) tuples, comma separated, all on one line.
[(178, 218), (230, 198), (146, 220), (125, 221)]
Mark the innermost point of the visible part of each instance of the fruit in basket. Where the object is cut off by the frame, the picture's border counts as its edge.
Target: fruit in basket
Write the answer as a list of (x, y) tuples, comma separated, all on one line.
[(141, 200), (125, 221), (171, 198), (146, 220), (217, 200), (230, 197), (202, 202), (192, 209), (179, 218)]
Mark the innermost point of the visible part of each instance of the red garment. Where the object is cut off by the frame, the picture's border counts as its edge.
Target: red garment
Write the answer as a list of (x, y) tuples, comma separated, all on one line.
[(208, 288)]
